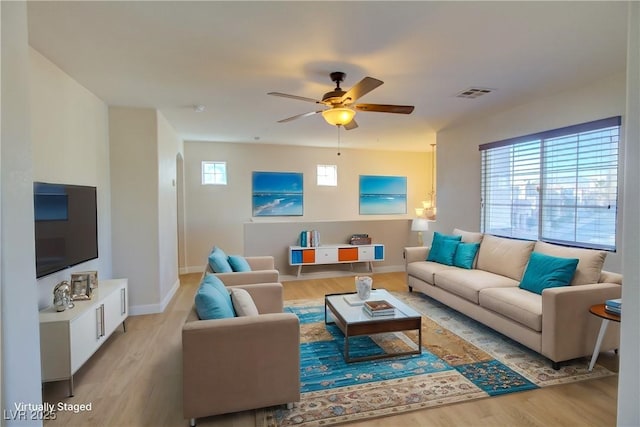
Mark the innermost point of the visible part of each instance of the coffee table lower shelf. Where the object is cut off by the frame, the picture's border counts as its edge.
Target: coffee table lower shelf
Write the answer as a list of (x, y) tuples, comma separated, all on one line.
[(372, 326)]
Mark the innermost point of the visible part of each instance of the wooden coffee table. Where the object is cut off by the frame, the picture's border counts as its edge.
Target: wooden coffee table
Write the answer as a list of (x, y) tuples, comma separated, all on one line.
[(353, 321)]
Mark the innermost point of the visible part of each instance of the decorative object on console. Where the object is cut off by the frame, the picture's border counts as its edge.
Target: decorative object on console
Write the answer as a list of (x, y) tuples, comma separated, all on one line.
[(310, 238), (62, 296), (360, 239), (93, 278), (80, 286), (420, 225), (363, 286)]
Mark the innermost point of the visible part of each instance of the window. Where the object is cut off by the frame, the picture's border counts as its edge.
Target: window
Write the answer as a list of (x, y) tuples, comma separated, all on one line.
[(559, 186), (328, 175), (214, 173)]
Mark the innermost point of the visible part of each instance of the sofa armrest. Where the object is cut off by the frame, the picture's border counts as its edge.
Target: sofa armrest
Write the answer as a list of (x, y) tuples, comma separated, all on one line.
[(415, 253), (241, 363), (268, 297), (569, 330)]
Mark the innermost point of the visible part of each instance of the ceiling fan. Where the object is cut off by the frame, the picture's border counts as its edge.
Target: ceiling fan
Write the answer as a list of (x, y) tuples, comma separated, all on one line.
[(342, 107)]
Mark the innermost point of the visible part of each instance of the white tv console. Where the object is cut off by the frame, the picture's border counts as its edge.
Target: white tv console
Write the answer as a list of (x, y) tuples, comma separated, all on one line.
[(69, 338)]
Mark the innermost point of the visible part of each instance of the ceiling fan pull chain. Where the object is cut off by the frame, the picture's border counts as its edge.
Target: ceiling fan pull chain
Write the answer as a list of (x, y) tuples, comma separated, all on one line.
[(338, 140)]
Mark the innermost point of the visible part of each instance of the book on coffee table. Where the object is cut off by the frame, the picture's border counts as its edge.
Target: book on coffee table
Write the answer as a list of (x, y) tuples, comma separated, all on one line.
[(378, 308), (353, 299)]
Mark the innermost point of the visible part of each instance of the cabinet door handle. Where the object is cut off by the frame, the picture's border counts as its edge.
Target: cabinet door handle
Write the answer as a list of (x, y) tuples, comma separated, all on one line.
[(98, 322), (123, 301)]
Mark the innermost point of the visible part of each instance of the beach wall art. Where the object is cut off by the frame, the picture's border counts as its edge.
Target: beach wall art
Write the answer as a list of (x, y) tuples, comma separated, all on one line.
[(277, 194), (383, 195)]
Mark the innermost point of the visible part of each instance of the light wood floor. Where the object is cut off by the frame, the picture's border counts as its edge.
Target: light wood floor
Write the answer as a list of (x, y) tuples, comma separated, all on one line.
[(135, 379)]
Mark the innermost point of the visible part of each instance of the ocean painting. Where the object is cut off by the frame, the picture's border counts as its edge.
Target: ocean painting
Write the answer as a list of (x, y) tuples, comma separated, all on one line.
[(277, 194), (383, 195)]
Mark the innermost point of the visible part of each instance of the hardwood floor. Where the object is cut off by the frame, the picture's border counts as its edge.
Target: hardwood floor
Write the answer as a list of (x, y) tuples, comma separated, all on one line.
[(135, 379)]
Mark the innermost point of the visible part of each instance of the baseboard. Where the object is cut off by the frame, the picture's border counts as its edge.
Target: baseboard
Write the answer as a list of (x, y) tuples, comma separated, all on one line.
[(191, 269), (137, 310)]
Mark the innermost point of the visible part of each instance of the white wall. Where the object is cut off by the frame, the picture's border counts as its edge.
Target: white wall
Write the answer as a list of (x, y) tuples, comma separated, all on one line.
[(169, 144), (458, 158), (19, 311), (143, 150), (216, 214), (69, 134), (629, 378)]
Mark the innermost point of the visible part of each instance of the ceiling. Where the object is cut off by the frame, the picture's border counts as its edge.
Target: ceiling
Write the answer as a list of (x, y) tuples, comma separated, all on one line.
[(172, 55)]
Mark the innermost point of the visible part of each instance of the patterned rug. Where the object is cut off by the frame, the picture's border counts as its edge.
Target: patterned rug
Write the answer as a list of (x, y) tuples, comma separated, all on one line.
[(461, 360)]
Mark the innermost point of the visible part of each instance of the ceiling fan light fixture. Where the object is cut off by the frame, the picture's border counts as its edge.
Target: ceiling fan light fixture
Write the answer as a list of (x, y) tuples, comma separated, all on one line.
[(338, 116)]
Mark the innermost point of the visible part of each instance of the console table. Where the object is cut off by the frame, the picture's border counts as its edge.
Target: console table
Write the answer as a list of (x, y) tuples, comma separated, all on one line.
[(69, 338), (335, 254)]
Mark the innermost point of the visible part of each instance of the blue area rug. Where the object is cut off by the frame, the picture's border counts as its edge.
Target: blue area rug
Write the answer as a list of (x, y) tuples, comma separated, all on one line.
[(461, 360)]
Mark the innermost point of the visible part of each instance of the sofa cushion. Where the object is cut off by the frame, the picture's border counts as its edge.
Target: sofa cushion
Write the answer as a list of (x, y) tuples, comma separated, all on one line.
[(219, 261), (589, 266), (468, 283), (238, 263), (212, 299), (465, 255), (243, 303), (441, 252), (517, 304), (545, 271), (424, 270), (505, 257), (468, 236)]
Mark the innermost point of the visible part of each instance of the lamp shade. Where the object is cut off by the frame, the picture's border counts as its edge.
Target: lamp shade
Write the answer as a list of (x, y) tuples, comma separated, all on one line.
[(420, 224), (339, 116)]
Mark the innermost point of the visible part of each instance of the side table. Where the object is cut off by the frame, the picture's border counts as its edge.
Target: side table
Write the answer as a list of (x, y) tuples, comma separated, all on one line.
[(598, 310)]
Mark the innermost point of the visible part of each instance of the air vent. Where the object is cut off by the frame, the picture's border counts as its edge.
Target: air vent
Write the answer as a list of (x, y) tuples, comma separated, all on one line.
[(474, 92)]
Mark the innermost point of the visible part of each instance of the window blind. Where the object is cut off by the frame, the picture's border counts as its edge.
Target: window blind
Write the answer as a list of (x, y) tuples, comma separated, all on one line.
[(559, 186)]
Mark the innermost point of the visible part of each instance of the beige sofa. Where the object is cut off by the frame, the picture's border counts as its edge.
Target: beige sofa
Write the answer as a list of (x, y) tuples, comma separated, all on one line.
[(241, 363), (556, 324), (263, 270)]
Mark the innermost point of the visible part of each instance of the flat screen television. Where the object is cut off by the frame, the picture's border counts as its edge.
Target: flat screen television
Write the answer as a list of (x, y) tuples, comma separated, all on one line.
[(66, 226)]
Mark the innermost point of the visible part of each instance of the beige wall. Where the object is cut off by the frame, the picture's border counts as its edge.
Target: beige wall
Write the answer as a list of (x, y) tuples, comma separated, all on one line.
[(216, 214), (458, 158), (69, 133)]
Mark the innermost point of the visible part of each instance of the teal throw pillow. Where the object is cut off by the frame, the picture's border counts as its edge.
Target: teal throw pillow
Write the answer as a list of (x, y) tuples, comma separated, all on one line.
[(545, 271), (447, 251), (465, 255), (213, 300), (440, 253), (219, 261), (239, 263)]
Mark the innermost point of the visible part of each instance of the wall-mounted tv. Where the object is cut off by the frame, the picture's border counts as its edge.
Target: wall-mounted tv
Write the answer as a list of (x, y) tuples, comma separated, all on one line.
[(66, 226)]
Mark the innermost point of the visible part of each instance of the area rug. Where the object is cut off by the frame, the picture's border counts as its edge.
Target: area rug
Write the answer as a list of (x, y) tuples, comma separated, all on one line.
[(461, 360)]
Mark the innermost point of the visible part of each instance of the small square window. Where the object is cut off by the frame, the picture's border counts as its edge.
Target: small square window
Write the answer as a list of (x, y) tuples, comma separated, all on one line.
[(214, 173), (328, 175)]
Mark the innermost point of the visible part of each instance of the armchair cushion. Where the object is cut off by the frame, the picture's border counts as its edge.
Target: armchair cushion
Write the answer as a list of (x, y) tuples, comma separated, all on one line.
[(239, 263), (212, 299), (243, 303)]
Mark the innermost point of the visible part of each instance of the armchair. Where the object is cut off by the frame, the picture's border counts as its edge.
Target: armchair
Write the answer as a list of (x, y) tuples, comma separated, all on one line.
[(241, 363), (263, 270)]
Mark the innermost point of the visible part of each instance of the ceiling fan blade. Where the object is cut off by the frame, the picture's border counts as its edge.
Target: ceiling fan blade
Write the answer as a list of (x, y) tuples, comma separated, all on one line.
[(299, 98), (362, 88), (351, 125), (299, 116), (384, 108)]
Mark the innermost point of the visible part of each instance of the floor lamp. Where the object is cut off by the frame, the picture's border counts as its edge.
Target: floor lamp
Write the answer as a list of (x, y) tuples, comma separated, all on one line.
[(420, 225)]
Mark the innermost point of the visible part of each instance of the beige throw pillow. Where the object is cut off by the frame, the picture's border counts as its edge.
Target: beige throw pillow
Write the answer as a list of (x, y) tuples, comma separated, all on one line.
[(243, 303)]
